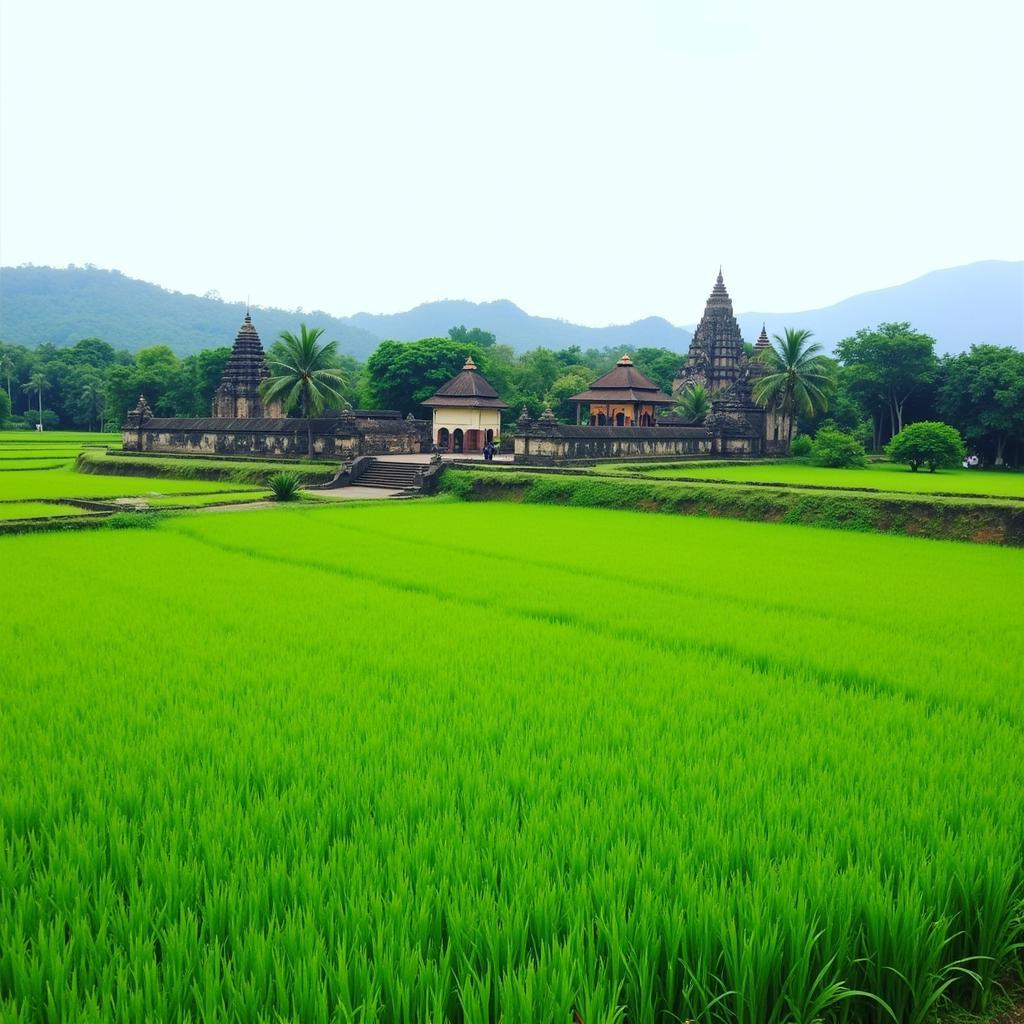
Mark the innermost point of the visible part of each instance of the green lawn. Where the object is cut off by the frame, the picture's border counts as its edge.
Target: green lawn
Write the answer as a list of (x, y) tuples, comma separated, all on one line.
[(441, 761), (881, 476)]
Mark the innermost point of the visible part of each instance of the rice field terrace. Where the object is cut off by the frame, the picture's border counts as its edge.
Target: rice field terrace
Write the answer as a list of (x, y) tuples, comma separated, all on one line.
[(881, 476), (36, 467), (441, 761)]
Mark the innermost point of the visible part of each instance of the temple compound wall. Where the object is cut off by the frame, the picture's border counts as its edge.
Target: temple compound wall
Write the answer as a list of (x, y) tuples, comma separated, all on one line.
[(342, 437), (546, 442)]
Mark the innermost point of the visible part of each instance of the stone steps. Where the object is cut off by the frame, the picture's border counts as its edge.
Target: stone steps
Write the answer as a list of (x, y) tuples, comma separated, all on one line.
[(395, 476)]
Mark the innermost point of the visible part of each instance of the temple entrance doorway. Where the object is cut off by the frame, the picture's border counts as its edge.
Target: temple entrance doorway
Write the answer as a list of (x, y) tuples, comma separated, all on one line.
[(620, 419), (443, 438), (457, 440), (489, 437)]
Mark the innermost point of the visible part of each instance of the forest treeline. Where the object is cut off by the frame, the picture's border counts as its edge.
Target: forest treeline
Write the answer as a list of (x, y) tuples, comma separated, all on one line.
[(883, 378)]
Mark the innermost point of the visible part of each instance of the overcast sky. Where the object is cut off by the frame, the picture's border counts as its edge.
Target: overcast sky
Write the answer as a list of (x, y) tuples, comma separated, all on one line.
[(590, 160)]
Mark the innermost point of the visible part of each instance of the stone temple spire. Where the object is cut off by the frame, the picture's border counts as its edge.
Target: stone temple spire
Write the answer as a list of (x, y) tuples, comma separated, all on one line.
[(717, 346), (238, 396), (762, 340)]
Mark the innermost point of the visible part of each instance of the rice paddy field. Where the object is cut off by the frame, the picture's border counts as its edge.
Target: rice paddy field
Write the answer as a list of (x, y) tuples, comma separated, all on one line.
[(436, 761), (36, 467), (882, 476)]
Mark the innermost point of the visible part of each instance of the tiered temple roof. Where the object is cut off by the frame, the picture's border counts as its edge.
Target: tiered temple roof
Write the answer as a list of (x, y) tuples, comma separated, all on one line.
[(717, 346), (468, 388), (238, 395), (623, 383)]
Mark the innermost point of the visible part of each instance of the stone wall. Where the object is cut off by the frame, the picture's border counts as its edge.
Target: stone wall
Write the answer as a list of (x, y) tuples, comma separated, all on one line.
[(333, 438), (538, 444)]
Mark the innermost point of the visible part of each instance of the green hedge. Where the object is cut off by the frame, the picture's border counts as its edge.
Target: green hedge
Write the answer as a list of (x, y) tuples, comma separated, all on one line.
[(954, 519)]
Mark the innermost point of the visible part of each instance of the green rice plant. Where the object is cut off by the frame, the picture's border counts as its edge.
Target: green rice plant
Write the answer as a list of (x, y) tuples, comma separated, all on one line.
[(573, 766)]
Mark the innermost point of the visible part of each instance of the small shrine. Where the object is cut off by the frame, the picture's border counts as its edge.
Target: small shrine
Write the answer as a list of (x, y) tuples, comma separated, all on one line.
[(466, 411), (623, 397)]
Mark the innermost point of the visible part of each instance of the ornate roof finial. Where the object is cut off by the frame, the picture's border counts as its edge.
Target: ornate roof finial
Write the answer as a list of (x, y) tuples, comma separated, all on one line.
[(469, 364), (548, 418), (625, 360)]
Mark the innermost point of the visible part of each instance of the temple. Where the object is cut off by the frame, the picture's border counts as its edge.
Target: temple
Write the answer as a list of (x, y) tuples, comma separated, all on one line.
[(238, 396), (466, 411), (717, 360), (623, 405), (623, 397), (242, 424)]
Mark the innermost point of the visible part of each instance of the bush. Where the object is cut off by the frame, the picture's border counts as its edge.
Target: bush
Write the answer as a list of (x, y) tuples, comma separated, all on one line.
[(51, 421), (832, 447), (928, 443), (801, 446), (130, 520), (285, 486)]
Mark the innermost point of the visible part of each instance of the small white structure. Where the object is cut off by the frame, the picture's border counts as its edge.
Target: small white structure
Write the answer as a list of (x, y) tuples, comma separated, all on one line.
[(467, 412)]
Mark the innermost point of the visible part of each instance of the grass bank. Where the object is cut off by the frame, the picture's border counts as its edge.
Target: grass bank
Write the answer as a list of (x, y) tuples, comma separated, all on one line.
[(205, 469), (967, 519)]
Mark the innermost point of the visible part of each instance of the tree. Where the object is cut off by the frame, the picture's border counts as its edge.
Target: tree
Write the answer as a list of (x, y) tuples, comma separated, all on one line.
[(693, 403), (888, 365), (401, 374), (572, 382), (93, 397), (660, 365), (927, 443), (7, 368), (37, 383), (982, 393), (472, 336), (5, 408), (798, 380), (304, 370)]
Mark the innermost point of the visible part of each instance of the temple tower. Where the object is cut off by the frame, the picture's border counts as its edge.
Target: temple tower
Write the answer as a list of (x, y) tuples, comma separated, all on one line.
[(717, 346), (238, 396)]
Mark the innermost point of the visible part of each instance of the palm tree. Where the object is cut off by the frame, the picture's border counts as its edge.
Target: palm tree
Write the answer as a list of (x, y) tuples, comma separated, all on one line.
[(799, 378), (301, 368), (94, 398), (37, 383), (693, 403), (7, 368)]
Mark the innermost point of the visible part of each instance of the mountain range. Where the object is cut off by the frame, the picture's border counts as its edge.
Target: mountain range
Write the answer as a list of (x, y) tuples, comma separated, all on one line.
[(980, 302)]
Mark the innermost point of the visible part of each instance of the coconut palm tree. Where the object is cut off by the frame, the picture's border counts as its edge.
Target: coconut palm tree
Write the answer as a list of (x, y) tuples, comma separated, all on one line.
[(37, 383), (693, 403), (799, 377), (94, 399), (7, 368), (303, 369)]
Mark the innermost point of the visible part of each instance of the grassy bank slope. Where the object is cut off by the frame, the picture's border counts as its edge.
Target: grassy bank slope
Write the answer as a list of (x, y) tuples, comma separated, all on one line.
[(979, 520)]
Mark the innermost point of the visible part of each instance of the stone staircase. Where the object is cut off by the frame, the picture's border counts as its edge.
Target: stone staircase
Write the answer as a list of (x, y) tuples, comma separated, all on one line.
[(395, 476)]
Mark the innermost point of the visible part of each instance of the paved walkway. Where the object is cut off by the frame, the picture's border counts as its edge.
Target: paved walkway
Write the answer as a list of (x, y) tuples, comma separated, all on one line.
[(355, 493), (468, 457)]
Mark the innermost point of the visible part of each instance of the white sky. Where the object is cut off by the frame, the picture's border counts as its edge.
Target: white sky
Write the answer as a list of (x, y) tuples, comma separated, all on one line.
[(588, 159)]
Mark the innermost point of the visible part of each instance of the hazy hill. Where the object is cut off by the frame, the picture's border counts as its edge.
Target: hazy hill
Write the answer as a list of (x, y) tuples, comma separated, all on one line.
[(513, 327), (977, 303), (40, 304), (980, 302)]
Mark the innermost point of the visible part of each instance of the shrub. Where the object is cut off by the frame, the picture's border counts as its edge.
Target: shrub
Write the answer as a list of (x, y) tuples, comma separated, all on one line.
[(801, 446), (832, 447), (928, 443), (130, 520), (285, 486)]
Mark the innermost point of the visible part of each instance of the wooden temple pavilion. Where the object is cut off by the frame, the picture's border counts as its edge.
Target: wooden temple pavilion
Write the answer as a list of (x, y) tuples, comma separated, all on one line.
[(623, 397), (466, 411)]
